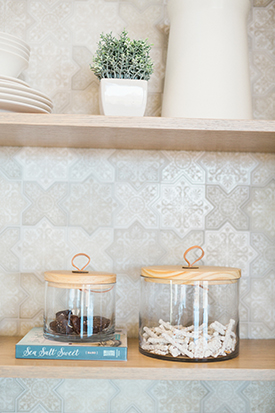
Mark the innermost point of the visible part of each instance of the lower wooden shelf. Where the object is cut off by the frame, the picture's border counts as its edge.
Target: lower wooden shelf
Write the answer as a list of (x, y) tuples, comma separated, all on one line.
[(255, 362), (146, 133)]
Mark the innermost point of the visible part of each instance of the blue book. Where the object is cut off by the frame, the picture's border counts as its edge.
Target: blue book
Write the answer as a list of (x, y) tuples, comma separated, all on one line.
[(35, 346)]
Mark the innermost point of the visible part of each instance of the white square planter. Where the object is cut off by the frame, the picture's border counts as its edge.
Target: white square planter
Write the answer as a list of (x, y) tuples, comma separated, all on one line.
[(123, 97)]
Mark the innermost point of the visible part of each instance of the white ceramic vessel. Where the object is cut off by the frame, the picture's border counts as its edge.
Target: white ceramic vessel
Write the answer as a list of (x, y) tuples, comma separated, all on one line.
[(12, 106), (14, 39), (16, 92), (13, 80), (123, 97), (18, 87), (12, 64), (207, 71), (14, 44), (14, 49), (25, 99)]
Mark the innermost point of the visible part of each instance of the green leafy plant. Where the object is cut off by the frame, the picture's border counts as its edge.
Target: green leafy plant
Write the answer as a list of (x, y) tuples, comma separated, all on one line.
[(122, 58)]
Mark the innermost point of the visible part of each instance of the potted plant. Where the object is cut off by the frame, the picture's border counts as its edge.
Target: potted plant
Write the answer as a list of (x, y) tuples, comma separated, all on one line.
[(123, 67)]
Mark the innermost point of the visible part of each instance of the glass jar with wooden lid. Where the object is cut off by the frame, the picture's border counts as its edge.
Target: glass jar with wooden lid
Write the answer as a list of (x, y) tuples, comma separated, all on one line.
[(189, 313), (79, 305)]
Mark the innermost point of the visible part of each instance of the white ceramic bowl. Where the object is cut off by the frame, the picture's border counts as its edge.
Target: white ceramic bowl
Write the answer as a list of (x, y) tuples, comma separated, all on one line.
[(29, 94), (13, 81), (12, 64), (14, 39), (17, 86), (24, 99), (12, 106), (14, 44), (10, 48)]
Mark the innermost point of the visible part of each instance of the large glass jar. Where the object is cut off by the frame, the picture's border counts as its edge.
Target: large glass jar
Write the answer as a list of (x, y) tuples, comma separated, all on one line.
[(189, 313), (79, 306)]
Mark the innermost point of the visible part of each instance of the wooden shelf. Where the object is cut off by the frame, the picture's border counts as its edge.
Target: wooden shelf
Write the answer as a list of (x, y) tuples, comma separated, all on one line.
[(156, 133), (255, 362)]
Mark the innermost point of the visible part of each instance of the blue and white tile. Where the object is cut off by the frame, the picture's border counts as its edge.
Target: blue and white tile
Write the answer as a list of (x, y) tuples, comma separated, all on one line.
[(43, 247), (132, 394), (86, 396), (9, 326), (38, 394), (46, 165), (84, 76), (155, 84), (50, 20), (265, 258), (26, 324), (265, 169), (127, 303), (138, 167), (12, 202), (15, 18), (12, 295), (84, 101), (10, 389), (229, 247), (45, 203), (9, 261), (90, 205), (93, 163), (91, 18), (136, 205), (34, 292), (182, 207), (50, 67), (140, 22), (176, 246), (261, 209), (94, 245), (227, 207), (261, 301), (9, 166), (180, 396), (183, 164), (261, 395), (225, 396), (228, 169), (134, 247)]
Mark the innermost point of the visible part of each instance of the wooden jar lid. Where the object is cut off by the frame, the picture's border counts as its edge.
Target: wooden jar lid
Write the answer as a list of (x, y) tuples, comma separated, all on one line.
[(78, 278), (182, 275), (190, 274)]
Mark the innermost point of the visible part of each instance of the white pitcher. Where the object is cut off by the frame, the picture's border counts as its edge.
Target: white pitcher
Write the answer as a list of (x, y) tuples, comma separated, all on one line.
[(207, 71)]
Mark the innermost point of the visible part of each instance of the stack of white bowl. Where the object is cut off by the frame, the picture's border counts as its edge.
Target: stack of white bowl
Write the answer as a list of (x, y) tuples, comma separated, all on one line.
[(16, 95)]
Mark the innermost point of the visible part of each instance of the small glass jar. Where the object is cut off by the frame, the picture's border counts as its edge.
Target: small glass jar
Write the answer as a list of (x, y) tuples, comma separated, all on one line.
[(79, 306), (189, 313)]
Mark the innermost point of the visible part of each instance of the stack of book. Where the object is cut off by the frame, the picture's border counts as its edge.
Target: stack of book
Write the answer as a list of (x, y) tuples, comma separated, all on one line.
[(35, 346)]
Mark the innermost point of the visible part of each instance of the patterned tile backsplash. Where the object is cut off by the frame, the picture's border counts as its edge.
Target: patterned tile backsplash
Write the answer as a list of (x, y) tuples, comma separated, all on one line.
[(63, 36), (130, 208), (135, 396)]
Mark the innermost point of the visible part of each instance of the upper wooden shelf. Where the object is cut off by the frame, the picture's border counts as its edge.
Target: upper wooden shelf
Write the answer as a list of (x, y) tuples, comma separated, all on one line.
[(255, 362), (156, 133)]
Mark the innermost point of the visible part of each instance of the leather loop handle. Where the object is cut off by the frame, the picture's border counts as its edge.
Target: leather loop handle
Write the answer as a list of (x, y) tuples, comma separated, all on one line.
[(189, 249), (77, 255)]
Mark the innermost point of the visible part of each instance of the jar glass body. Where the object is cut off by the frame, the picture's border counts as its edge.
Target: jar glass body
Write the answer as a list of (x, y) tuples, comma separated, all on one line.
[(85, 313), (192, 321)]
